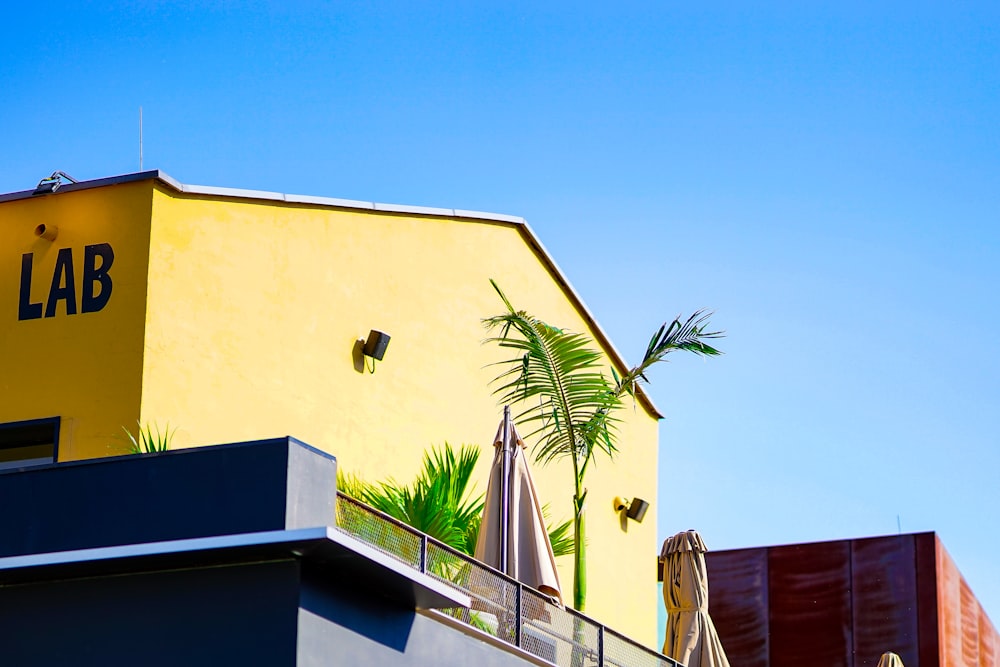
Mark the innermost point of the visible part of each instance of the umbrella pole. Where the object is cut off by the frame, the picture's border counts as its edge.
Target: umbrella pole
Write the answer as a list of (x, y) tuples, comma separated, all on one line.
[(505, 492)]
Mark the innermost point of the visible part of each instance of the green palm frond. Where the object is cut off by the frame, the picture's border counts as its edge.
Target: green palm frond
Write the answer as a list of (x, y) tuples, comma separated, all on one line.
[(146, 441), (556, 380), (688, 336), (350, 484), (425, 507), (450, 473), (440, 501), (560, 536)]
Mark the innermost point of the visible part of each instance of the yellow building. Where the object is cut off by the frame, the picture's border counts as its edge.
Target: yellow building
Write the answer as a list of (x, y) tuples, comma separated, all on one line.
[(234, 315)]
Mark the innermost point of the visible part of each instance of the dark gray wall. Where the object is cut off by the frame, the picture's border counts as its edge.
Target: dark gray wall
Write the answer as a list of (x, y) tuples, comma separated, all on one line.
[(235, 615), (239, 614), (200, 492), (349, 626)]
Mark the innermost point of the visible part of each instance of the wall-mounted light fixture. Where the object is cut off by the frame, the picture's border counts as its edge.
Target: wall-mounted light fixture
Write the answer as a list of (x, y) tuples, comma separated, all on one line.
[(47, 232), (634, 509), (374, 346), (50, 184)]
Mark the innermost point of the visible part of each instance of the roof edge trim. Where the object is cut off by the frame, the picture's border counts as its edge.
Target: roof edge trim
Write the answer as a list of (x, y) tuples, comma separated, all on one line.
[(153, 174), (603, 338)]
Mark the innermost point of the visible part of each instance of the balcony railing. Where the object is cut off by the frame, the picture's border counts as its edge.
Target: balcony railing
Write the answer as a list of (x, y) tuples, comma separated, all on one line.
[(501, 606)]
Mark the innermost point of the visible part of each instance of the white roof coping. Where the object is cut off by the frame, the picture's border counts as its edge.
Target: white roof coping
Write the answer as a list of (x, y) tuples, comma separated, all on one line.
[(330, 201), (418, 210)]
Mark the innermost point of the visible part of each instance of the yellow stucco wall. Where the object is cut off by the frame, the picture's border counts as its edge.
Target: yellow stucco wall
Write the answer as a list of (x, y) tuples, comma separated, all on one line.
[(246, 329), (254, 310), (83, 367)]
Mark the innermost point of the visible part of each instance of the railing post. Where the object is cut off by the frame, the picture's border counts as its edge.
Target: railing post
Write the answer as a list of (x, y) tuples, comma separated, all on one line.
[(600, 645), (423, 553), (517, 614)]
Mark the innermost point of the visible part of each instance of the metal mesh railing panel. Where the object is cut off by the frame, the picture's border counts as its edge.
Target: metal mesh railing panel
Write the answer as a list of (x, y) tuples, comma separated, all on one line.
[(494, 597), (557, 634), (561, 636), (379, 531), (620, 651)]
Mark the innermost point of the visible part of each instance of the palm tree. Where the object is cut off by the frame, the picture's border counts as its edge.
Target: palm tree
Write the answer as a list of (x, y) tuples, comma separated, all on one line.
[(439, 501), (557, 379)]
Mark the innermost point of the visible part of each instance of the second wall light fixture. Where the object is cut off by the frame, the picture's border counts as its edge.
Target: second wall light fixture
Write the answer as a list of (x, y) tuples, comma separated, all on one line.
[(374, 346), (634, 509)]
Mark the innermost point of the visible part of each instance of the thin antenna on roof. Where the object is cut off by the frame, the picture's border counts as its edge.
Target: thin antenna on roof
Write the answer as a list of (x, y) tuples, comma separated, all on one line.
[(899, 526), (140, 138)]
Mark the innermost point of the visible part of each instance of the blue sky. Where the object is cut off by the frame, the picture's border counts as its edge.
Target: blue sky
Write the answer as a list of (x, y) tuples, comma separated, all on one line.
[(824, 176)]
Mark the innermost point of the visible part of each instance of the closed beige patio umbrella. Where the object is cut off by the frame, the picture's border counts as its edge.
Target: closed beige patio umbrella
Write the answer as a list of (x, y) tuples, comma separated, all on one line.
[(691, 636), (890, 659), (512, 537)]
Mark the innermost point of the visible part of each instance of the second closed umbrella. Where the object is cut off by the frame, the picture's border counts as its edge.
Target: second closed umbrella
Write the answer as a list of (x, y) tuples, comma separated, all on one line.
[(691, 637)]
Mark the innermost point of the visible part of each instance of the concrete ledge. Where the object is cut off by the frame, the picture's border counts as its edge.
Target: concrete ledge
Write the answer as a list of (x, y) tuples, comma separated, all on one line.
[(336, 555)]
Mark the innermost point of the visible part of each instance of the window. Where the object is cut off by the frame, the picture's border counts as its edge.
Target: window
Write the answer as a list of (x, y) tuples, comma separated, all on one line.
[(28, 443)]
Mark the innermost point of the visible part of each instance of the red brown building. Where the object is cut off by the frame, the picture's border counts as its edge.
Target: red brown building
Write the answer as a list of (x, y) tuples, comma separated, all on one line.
[(843, 603)]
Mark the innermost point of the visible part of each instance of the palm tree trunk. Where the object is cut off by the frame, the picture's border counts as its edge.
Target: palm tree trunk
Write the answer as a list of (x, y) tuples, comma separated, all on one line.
[(579, 573), (579, 551)]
